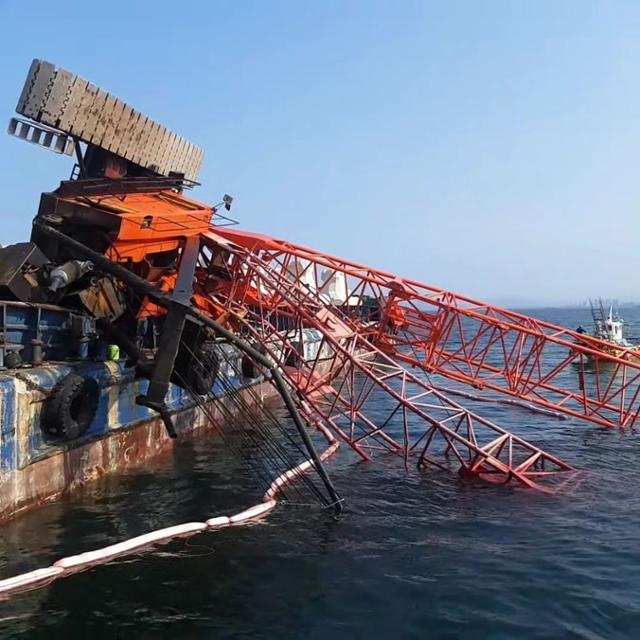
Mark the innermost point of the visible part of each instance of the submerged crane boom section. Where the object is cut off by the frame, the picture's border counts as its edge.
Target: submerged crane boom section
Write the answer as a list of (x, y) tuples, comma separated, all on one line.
[(481, 345)]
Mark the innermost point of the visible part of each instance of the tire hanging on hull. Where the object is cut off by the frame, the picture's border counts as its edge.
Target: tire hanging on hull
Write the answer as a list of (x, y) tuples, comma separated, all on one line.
[(71, 407)]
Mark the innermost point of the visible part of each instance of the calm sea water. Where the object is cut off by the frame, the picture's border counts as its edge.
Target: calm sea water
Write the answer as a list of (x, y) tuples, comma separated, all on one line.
[(415, 555)]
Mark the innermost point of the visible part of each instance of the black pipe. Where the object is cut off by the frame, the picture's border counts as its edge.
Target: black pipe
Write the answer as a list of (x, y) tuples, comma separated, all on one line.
[(142, 286), (173, 326)]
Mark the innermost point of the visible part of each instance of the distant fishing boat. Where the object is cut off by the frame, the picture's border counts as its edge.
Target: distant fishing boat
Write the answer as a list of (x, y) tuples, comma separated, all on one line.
[(608, 326)]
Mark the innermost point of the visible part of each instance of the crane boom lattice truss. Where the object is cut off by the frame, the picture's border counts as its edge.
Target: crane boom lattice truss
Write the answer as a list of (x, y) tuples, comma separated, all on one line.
[(368, 398), (477, 344)]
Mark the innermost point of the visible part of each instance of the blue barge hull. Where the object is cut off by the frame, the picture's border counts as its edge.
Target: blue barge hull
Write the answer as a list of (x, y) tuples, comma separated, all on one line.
[(35, 467)]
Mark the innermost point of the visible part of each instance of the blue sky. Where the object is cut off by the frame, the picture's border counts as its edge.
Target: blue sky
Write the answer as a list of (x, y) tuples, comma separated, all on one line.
[(490, 148)]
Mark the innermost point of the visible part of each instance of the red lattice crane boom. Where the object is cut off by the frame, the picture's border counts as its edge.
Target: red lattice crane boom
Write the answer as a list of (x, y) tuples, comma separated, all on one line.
[(462, 339), (342, 379)]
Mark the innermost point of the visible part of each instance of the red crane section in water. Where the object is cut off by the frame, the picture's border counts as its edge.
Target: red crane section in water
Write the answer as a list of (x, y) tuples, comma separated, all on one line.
[(347, 378), (471, 342)]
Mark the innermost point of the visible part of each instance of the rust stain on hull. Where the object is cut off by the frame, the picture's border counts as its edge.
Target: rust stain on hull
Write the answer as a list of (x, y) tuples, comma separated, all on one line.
[(65, 472)]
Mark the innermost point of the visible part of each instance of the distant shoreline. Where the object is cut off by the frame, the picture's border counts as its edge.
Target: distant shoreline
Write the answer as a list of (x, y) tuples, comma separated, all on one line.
[(529, 307)]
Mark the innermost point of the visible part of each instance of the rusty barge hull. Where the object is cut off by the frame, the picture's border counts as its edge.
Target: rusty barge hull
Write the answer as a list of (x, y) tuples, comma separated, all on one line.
[(123, 435)]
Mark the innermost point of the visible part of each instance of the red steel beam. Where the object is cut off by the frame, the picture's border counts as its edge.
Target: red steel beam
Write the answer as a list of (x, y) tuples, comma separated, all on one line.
[(338, 384), (469, 341)]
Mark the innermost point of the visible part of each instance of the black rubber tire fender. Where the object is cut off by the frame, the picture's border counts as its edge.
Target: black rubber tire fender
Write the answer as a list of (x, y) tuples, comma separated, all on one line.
[(71, 406)]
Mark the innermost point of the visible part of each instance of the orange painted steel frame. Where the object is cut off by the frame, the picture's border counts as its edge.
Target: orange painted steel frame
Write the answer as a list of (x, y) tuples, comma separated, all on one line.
[(149, 223)]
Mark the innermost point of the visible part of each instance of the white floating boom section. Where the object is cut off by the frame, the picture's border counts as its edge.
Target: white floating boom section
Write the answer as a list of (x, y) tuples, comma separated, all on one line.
[(66, 102)]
